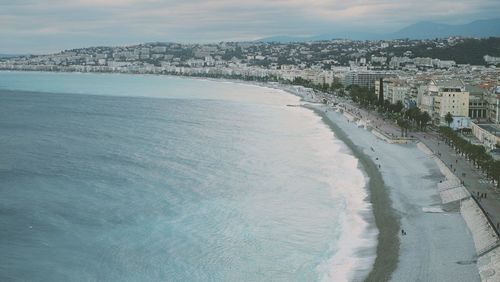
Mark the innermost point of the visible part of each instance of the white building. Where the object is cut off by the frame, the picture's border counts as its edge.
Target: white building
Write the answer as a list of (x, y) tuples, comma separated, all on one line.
[(460, 122), (494, 107), (394, 89), (449, 96), (443, 64), (378, 60), (488, 134), (364, 78), (491, 60)]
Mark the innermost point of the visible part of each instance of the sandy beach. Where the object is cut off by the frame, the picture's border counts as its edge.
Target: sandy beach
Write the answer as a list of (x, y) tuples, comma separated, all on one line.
[(403, 190)]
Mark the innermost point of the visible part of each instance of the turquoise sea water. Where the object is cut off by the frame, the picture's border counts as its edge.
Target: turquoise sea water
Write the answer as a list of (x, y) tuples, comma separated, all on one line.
[(146, 178)]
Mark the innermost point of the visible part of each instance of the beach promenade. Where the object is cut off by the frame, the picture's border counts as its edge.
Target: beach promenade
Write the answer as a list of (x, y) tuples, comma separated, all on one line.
[(458, 183), (449, 236), (481, 214), (436, 244), (474, 180)]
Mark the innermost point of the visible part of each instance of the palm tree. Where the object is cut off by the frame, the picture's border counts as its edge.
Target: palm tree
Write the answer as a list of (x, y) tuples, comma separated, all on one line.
[(448, 118), (475, 153), (413, 115), (423, 119), (404, 125)]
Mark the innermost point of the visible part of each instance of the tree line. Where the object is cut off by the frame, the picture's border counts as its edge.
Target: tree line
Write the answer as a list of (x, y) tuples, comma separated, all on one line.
[(405, 119), (475, 153), (413, 118)]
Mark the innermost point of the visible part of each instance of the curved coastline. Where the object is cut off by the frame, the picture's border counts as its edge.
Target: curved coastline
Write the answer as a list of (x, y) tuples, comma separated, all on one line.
[(440, 245), (393, 208), (291, 94), (384, 263), (386, 219)]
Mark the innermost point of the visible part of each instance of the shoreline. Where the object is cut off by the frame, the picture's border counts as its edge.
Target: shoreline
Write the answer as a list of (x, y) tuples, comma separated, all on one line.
[(392, 254), (386, 219), (298, 92), (419, 212), (438, 245)]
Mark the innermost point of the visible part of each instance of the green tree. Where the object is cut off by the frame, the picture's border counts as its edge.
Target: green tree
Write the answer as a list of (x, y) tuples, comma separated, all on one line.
[(398, 107), (413, 115), (475, 153), (423, 119), (404, 125)]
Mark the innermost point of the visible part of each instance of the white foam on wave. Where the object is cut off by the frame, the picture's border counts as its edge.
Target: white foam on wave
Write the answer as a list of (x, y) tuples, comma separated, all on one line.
[(353, 252)]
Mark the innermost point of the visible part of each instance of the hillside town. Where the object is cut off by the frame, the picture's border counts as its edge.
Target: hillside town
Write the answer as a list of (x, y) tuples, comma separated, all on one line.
[(440, 87)]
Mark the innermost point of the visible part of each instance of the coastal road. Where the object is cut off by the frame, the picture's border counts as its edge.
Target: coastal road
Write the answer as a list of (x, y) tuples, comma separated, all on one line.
[(475, 181)]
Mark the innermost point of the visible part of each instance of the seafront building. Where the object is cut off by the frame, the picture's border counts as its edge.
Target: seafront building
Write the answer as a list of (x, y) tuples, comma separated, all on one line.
[(445, 96), (478, 102), (487, 134), (395, 90), (365, 78), (494, 106)]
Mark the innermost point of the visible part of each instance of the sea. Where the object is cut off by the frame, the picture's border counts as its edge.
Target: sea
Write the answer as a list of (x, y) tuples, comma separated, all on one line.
[(116, 177)]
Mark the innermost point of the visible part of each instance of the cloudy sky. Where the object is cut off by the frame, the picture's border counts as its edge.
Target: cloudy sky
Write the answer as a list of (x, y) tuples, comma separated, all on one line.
[(41, 26)]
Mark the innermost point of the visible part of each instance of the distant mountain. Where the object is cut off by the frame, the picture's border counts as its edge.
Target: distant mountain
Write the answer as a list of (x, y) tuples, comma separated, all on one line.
[(329, 36), (284, 39), (421, 30)]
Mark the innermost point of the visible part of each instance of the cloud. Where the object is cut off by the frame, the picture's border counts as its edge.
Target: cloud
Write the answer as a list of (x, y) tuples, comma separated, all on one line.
[(126, 21)]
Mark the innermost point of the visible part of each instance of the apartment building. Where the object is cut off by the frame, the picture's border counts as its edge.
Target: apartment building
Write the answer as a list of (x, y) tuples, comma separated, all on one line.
[(494, 107), (394, 89), (364, 78), (478, 102), (446, 96)]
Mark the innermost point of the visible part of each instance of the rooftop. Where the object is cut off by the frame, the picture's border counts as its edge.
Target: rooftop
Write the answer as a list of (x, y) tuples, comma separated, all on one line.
[(491, 128), (449, 83), (474, 90)]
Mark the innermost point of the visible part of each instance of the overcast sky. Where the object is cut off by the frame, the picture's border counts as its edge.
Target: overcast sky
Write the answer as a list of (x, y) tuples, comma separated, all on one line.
[(41, 26)]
